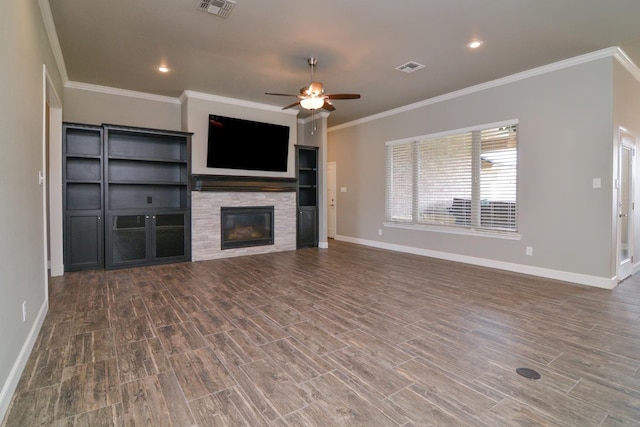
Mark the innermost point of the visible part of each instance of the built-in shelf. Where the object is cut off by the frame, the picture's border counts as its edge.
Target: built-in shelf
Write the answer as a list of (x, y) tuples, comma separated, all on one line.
[(307, 195), (147, 196), (148, 159), (83, 196), (138, 180)]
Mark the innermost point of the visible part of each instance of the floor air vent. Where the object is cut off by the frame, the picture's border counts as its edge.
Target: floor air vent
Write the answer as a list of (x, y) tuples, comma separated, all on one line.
[(220, 8), (529, 373)]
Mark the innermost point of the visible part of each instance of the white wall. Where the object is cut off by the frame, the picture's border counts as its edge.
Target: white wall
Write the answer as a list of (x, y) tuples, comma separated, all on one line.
[(565, 140), (24, 49)]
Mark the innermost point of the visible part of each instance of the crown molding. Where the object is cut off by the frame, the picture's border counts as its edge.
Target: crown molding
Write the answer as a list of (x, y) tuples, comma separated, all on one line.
[(54, 42), (121, 92), (311, 118), (187, 94), (615, 52), (627, 63)]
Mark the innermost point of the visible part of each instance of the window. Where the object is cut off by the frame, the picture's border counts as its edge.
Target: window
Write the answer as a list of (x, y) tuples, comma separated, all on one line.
[(465, 179)]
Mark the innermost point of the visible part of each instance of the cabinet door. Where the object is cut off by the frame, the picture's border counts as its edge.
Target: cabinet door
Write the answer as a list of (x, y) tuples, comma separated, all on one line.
[(127, 240), (83, 241), (169, 235), (307, 226)]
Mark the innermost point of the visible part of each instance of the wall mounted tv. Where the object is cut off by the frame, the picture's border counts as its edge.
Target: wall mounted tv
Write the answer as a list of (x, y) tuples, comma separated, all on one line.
[(248, 145)]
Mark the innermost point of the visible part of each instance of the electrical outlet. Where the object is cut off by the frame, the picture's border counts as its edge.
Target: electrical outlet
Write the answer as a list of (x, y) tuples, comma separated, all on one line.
[(24, 311), (529, 250), (379, 231)]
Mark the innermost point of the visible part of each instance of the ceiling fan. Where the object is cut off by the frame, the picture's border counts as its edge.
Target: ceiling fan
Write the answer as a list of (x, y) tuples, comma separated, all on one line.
[(312, 97)]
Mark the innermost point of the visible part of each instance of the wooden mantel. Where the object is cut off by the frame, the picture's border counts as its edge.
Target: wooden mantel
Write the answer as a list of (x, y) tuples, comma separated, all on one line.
[(241, 183)]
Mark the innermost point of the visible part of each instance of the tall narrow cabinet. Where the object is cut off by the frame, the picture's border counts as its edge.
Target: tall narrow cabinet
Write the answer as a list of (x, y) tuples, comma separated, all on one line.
[(126, 196), (307, 196), (82, 190)]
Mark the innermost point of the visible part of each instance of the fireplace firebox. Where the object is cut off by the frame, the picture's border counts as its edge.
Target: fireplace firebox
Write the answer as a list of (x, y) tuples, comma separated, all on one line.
[(246, 226)]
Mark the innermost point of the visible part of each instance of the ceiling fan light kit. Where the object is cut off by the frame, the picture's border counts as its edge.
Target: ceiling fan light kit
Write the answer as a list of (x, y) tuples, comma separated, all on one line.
[(312, 103), (312, 97)]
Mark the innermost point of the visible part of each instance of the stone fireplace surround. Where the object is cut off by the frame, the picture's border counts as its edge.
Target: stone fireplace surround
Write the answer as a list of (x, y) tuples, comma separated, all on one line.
[(211, 192)]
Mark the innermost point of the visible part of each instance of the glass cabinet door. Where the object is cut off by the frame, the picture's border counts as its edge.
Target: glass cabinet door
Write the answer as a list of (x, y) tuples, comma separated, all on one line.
[(169, 235), (129, 238)]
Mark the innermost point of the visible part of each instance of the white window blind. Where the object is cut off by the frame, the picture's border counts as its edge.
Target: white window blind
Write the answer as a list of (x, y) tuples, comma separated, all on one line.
[(460, 179)]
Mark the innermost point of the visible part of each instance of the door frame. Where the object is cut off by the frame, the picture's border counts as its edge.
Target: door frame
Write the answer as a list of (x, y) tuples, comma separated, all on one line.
[(331, 188), (52, 174), (624, 266)]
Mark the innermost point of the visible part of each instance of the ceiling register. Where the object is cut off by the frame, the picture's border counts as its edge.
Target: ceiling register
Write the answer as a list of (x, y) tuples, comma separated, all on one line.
[(221, 8)]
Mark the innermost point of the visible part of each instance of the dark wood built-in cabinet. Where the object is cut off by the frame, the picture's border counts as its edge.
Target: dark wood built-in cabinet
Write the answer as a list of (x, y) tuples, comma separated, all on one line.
[(142, 192), (82, 170), (147, 196), (307, 196)]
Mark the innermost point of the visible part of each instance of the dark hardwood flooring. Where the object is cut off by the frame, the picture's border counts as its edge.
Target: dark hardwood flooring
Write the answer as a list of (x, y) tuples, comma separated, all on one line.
[(350, 336)]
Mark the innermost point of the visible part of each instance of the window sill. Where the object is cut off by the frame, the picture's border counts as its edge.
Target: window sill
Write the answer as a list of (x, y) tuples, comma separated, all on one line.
[(506, 235)]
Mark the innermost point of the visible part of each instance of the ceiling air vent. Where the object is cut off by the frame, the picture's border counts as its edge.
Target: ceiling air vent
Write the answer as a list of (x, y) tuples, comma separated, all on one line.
[(410, 67), (220, 8)]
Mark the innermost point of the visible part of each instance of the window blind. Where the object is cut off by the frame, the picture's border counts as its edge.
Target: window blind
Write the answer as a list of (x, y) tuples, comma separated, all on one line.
[(400, 166), (459, 179)]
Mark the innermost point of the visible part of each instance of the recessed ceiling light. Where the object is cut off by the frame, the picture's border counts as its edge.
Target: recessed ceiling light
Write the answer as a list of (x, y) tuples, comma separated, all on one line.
[(475, 44), (163, 69)]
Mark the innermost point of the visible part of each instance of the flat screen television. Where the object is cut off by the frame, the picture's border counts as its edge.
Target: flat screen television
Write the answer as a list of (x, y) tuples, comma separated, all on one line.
[(244, 144)]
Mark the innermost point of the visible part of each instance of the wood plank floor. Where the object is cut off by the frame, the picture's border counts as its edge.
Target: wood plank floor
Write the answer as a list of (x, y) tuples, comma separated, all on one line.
[(350, 336)]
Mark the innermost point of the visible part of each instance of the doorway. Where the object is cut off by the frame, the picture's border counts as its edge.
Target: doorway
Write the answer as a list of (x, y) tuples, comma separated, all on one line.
[(625, 223), (52, 176), (331, 200)]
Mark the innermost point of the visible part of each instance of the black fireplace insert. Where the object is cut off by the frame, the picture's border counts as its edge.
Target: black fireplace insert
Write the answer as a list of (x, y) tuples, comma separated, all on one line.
[(246, 226)]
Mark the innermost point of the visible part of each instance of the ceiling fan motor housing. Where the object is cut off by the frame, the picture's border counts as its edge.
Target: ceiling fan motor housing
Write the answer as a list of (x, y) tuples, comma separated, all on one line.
[(315, 89)]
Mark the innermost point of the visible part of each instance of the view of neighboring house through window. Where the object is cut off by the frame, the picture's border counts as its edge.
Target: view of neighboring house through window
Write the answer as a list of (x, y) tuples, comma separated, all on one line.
[(465, 178)]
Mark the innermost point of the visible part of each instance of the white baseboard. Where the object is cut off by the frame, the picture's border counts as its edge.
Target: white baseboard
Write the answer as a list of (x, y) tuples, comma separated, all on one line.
[(9, 387), (565, 276), (323, 245)]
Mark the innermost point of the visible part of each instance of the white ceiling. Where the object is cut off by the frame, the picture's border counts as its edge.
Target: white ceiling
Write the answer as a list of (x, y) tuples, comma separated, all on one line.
[(263, 45)]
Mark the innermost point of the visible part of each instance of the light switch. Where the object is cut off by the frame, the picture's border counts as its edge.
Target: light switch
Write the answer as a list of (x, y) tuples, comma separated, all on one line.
[(597, 183), (343, 189)]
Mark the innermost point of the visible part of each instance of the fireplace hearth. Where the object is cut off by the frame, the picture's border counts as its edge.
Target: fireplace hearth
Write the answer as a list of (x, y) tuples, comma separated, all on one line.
[(246, 226)]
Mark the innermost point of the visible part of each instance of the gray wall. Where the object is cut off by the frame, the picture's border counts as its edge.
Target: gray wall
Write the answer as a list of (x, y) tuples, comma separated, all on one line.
[(24, 49), (565, 140), (95, 107)]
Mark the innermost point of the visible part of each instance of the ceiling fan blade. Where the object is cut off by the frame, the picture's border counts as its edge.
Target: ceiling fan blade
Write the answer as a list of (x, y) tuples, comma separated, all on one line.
[(291, 105), (279, 94), (327, 106), (343, 96)]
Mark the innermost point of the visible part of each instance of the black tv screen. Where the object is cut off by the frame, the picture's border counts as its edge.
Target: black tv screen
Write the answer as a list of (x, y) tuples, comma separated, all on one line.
[(245, 144)]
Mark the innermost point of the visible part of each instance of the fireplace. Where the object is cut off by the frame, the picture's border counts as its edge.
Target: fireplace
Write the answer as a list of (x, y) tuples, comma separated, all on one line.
[(246, 226), (213, 192)]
